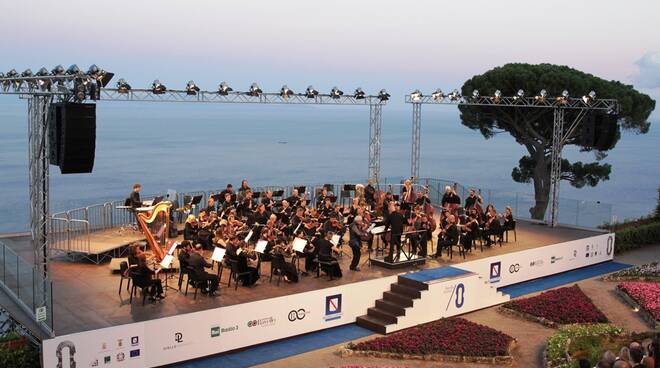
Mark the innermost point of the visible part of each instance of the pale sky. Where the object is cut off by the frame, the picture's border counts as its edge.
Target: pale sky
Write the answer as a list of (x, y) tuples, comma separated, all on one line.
[(398, 45)]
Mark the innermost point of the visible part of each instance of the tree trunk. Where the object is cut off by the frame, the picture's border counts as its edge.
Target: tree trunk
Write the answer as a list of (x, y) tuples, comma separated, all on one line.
[(541, 186)]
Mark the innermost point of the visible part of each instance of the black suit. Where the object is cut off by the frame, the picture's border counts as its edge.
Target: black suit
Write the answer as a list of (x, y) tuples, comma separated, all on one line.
[(450, 238), (395, 222), (196, 265), (135, 199)]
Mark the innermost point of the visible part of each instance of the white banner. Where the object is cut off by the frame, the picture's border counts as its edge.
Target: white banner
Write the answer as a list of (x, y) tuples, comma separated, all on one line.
[(512, 268)]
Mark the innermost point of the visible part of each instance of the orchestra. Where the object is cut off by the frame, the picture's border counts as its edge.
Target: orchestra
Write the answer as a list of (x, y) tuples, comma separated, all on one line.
[(238, 221)]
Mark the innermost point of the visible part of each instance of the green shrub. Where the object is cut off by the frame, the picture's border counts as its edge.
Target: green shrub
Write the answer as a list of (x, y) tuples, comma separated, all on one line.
[(558, 343), (638, 236), (25, 357)]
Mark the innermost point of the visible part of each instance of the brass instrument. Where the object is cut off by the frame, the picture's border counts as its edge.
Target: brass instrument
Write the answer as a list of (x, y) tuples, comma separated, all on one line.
[(160, 211)]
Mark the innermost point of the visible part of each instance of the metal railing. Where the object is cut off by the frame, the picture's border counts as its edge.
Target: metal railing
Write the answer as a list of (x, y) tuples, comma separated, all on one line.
[(26, 285)]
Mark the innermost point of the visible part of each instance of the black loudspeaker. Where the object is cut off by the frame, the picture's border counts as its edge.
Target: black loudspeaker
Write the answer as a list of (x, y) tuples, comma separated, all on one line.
[(72, 137), (589, 130)]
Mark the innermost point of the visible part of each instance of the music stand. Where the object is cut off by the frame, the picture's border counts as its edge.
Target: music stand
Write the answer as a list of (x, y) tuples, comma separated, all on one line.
[(256, 195), (278, 193), (301, 189), (349, 187), (332, 199), (157, 200), (195, 200)]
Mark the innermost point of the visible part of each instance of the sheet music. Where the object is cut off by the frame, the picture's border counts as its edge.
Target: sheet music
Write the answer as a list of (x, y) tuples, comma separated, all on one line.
[(335, 239), (172, 248), (371, 227), (378, 230), (167, 261), (249, 235), (299, 244), (261, 246), (142, 209), (218, 254)]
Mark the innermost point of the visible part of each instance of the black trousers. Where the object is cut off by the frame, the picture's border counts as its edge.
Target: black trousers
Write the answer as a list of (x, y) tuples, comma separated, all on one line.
[(395, 242), (423, 243), (212, 282), (443, 244), (356, 255)]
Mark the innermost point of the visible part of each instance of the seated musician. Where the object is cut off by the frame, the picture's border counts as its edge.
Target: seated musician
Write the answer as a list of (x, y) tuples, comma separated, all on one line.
[(320, 200), (229, 190), (284, 214), (210, 205), (190, 228), (246, 206), (294, 198), (247, 263), (185, 249), (427, 223), (303, 204), (422, 198), (206, 228), (134, 197), (219, 238), (327, 210), (357, 234), (296, 222), (281, 251), (268, 201), (470, 229), (369, 193), (326, 250), (227, 204), (243, 190), (134, 252), (196, 265), (143, 277), (492, 226), (450, 200), (448, 236), (507, 216), (353, 210)]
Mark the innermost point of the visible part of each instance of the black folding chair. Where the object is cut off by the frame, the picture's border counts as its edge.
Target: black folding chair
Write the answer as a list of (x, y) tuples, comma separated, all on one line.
[(123, 274)]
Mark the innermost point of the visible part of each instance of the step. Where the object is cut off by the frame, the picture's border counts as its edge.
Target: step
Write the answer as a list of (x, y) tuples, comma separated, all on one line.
[(382, 314), (372, 323), (390, 307), (400, 299), (406, 290), (412, 283)]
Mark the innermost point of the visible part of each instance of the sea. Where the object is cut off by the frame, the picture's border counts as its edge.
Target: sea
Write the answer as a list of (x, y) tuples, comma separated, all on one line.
[(189, 147)]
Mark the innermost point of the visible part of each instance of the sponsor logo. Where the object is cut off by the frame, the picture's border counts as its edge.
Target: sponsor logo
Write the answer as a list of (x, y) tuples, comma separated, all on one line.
[(298, 314), (555, 259), (215, 331), (178, 337), (134, 353), (120, 357), (120, 342), (135, 341), (460, 295), (610, 245), (536, 263), (332, 307), (495, 271), (107, 359), (263, 322), (94, 363), (71, 348), (514, 268)]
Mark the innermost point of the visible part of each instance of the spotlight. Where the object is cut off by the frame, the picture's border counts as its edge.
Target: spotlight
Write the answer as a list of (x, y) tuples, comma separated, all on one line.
[(454, 95), (93, 70), (28, 73), (336, 92), (44, 84), (286, 92), (73, 70), (475, 94), (541, 96), (310, 92), (101, 76), (58, 70), (157, 88), (255, 91), (438, 95), (359, 94), (416, 96), (589, 99), (80, 88), (563, 99), (122, 86), (191, 88), (5, 83), (224, 89), (12, 74), (383, 95), (520, 94)]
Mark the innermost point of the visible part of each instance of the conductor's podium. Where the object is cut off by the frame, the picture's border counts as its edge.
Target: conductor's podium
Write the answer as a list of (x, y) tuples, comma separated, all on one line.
[(428, 295)]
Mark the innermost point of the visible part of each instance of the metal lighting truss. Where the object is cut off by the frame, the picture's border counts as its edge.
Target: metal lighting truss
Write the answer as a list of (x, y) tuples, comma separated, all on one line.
[(559, 135)]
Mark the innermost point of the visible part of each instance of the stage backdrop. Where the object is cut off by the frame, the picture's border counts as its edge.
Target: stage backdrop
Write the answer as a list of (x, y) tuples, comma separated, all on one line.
[(193, 335)]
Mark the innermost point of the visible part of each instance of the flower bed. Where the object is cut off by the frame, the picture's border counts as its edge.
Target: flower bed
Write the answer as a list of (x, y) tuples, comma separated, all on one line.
[(450, 339), (644, 295), (557, 349), (647, 272), (557, 307)]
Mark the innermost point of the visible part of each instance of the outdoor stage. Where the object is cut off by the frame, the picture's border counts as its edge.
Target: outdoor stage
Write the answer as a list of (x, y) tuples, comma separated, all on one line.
[(86, 295)]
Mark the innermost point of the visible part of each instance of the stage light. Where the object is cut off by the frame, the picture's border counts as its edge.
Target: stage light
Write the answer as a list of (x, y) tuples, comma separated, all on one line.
[(454, 95), (158, 88), (416, 96), (590, 98), (73, 70), (191, 88), (541, 96), (359, 94), (310, 92), (80, 88), (255, 91), (520, 94), (122, 86), (497, 96), (383, 95), (475, 94), (58, 70), (224, 89), (15, 83), (286, 92), (563, 99), (336, 92), (101, 76), (438, 95), (5, 83), (44, 84), (564, 94), (28, 73)]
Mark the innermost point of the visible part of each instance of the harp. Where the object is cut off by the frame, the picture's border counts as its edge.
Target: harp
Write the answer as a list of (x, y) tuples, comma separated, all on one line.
[(155, 224)]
